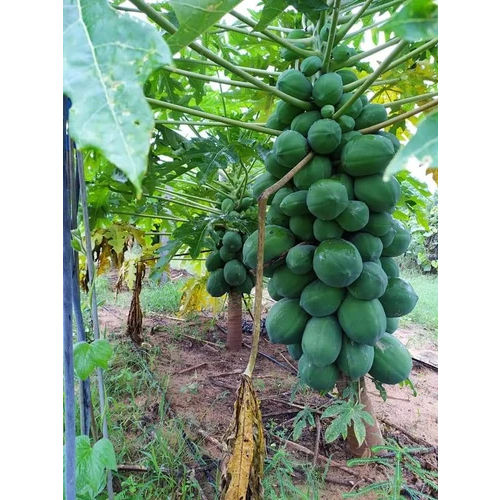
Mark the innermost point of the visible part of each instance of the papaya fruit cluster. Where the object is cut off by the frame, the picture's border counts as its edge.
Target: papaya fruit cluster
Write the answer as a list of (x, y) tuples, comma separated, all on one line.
[(331, 239), (227, 271)]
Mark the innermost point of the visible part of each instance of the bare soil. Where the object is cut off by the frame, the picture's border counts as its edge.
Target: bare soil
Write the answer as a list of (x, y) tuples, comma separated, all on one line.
[(205, 395)]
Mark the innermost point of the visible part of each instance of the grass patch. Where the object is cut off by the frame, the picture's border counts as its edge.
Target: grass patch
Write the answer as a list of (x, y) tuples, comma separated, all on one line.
[(426, 310), (164, 298)]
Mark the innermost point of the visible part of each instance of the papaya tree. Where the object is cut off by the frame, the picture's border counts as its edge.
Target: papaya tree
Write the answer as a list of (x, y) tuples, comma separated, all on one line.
[(337, 86)]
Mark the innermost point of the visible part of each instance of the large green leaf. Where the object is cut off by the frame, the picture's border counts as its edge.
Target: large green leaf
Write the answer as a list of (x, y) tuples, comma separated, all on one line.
[(91, 466), (423, 146), (195, 17), (416, 21), (272, 9), (107, 58), (90, 356)]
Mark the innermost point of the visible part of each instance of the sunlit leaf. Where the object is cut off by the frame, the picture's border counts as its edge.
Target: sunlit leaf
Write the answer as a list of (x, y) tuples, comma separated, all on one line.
[(417, 21), (107, 58), (272, 9), (423, 146), (195, 17)]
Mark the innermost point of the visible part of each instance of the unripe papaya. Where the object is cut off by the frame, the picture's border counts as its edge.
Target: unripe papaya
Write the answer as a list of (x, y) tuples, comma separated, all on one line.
[(327, 89), (311, 65), (303, 122), (324, 136), (290, 147), (371, 115), (294, 83)]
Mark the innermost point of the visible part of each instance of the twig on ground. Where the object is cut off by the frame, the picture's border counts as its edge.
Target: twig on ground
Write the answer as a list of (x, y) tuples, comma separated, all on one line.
[(226, 374), (390, 397), (288, 362), (132, 468), (278, 413), (190, 369), (307, 451)]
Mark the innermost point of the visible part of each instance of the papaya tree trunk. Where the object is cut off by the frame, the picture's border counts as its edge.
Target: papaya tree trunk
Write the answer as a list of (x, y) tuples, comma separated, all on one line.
[(373, 434), (234, 332), (134, 320)]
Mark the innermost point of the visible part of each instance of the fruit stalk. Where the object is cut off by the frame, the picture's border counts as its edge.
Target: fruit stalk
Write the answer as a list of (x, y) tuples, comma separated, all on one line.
[(262, 204), (331, 37)]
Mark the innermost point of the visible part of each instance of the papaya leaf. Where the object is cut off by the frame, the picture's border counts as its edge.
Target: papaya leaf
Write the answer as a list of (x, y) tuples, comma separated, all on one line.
[(423, 146), (272, 8), (195, 17), (107, 58), (417, 21)]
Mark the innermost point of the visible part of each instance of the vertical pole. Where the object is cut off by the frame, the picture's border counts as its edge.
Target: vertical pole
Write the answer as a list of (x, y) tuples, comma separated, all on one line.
[(69, 391), (84, 385), (93, 301)]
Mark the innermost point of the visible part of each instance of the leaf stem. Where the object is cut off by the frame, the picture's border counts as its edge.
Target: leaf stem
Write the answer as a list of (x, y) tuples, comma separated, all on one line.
[(257, 71), (377, 8), (149, 216), (398, 118), (168, 26), (395, 63), (210, 78), (352, 21), (371, 78), (362, 30), (366, 53), (407, 100), (199, 123), (181, 201), (185, 195), (210, 116), (262, 204), (331, 38), (273, 37)]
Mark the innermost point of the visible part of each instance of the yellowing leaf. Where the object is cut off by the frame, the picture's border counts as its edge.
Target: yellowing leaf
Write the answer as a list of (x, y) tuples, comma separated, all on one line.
[(243, 465)]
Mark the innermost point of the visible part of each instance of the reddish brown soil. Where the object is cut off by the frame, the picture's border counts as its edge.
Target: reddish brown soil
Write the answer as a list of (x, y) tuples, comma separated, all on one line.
[(205, 396)]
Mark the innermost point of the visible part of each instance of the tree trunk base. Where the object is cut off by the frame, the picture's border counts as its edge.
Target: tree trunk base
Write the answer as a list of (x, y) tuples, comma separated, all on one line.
[(373, 435), (234, 314), (134, 320)]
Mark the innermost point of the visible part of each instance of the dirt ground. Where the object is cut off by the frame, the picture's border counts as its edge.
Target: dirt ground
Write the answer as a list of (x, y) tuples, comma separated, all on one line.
[(205, 395)]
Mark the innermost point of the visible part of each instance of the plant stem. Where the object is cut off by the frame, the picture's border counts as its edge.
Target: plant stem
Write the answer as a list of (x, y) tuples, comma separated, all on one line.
[(240, 30), (371, 78), (377, 8), (210, 78), (93, 304), (273, 37), (352, 21), (182, 202), (407, 100), (168, 26), (396, 62), (262, 204), (362, 30), (210, 116), (186, 195), (149, 216), (362, 55), (331, 38), (205, 185), (257, 71), (199, 124), (399, 118)]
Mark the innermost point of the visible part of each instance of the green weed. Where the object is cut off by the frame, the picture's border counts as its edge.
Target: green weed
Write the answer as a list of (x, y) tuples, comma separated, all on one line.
[(426, 310)]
